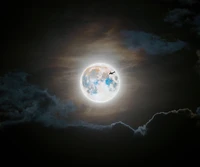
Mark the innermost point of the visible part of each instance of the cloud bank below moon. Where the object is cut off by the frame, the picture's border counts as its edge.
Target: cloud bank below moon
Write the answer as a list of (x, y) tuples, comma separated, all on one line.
[(22, 102)]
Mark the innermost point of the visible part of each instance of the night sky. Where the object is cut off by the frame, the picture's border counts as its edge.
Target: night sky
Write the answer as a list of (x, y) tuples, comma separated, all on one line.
[(155, 47)]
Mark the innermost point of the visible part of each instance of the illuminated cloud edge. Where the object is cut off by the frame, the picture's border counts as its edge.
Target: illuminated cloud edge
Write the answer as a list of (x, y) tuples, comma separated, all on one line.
[(22, 102)]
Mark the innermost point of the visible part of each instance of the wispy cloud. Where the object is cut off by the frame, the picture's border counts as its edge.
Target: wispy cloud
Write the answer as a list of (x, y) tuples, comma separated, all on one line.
[(151, 43), (178, 17)]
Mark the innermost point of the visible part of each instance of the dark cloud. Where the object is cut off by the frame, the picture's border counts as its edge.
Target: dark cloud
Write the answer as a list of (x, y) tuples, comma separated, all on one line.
[(178, 17), (196, 22), (43, 130), (151, 43), (198, 62), (181, 16), (23, 102), (158, 119), (198, 111), (188, 2), (198, 55)]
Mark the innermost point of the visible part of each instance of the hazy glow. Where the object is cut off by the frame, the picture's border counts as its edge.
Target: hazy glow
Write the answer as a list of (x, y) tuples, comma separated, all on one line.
[(97, 84)]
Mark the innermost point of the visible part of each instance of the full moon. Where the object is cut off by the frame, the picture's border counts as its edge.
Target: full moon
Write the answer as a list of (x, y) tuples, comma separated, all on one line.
[(100, 82)]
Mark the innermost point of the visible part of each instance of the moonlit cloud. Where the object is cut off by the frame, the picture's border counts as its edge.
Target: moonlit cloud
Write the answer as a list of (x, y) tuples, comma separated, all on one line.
[(23, 102), (151, 43)]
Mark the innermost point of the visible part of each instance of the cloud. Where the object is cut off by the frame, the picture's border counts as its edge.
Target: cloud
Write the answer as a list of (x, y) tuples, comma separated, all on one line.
[(164, 117), (197, 66), (198, 55), (188, 2), (196, 22), (150, 126), (22, 102), (178, 16), (151, 43), (198, 111)]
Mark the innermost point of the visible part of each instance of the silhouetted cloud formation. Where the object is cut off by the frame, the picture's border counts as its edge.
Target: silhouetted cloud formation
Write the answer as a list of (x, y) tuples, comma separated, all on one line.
[(22, 102), (197, 66), (198, 111), (178, 16), (181, 16), (151, 43), (196, 22), (188, 2)]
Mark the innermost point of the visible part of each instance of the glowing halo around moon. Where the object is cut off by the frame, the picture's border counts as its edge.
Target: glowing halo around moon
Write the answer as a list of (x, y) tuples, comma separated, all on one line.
[(98, 84)]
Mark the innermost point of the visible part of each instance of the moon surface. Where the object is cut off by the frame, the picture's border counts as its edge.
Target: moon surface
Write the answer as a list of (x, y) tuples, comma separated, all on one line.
[(100, 82)]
